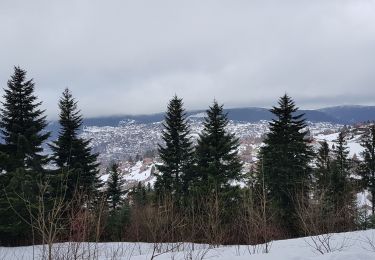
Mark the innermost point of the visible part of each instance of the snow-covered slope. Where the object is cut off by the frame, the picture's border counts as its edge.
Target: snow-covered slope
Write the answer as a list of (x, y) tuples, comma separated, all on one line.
[(344, 246), (141, 171), (353, 143)]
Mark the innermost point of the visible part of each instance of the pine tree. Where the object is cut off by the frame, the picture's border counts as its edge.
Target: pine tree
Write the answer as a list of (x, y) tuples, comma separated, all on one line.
[(324, 185), (286, 156), (341, 192), (119, 214), (368, 172), (115, 187), (70, 121), (139, 194), (72, 154), (176, 153), (218, 162), (323, 168), (22, 125), (341, 153), (21, 186)]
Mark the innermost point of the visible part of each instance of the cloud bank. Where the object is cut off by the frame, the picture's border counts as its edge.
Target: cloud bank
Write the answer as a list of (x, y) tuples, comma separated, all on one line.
[(131, 57)]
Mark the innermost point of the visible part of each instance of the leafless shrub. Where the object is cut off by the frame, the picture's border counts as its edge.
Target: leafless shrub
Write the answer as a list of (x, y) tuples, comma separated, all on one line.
[(163, 223), (368, 241), (257, 220), (120, 251), (190, 252), (212, 222), (319, 224)]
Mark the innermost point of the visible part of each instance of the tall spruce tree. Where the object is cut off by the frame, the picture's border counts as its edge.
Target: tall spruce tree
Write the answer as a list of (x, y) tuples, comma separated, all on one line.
[(368, 165), (340, 154), (176, 153), (286, 155), (342, 193), (115, 187), (72, 154), (340, 173), (218, 162), (22, 126)]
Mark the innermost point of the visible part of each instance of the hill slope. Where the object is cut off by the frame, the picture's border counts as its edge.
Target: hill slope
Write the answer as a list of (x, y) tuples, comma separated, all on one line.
[(339, 114)]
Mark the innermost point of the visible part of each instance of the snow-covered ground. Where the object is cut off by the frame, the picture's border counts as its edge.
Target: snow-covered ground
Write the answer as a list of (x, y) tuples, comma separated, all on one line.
[(353, 144), (344, 246), (139, 172)]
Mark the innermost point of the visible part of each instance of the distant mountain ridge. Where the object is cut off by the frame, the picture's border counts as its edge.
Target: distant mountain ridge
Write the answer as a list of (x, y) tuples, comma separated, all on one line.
[(350, 114), (338, 114)]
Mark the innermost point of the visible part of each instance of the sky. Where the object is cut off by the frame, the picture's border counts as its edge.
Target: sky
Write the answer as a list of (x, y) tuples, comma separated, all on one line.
[(131, 57)]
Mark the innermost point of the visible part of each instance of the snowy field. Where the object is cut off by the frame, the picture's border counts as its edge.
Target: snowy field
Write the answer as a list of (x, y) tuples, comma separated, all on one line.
[(344, 246)]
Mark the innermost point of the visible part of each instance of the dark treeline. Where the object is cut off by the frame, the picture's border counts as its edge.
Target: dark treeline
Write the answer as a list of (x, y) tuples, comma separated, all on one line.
[(199, 194)]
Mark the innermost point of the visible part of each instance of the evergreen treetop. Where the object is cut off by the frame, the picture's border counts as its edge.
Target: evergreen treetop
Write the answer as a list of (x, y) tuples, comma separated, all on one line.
[(286, 151), (70, 121), (22, 124), (115, 187), (340, 154), (218, 162), (177, 151), (72, 154)]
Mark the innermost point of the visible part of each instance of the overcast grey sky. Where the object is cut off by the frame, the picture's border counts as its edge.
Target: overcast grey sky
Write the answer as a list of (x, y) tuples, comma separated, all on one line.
[(130, 57)]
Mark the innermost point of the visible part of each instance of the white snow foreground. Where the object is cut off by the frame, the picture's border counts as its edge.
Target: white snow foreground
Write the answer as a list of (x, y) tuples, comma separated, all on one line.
[(358, 245)]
